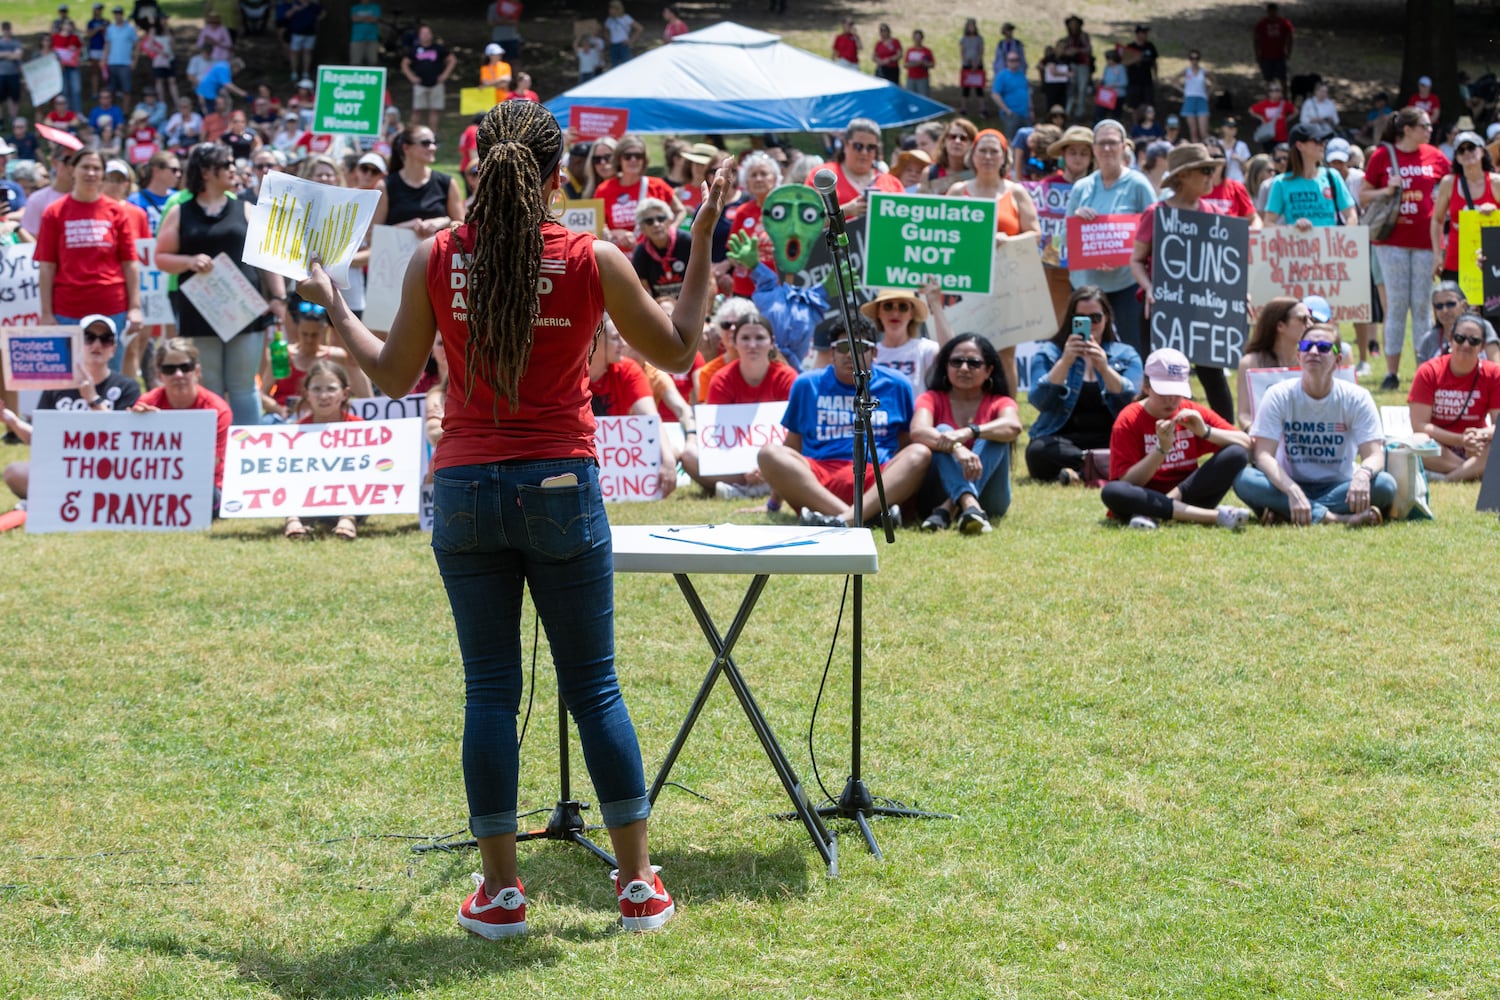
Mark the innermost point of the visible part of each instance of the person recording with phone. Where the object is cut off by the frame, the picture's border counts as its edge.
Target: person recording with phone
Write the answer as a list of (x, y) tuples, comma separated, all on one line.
[(1080, 381), (516, 498)]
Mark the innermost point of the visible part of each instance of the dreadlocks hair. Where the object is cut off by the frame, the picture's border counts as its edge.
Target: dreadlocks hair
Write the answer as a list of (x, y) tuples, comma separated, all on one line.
[(519, 141)]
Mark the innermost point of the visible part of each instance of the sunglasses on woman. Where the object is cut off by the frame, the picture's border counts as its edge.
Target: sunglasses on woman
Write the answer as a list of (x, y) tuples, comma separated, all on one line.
[(311, 310), (656, 220), (1474, 341), (865, 147), (181, 369), (974, 363), (896, 306)]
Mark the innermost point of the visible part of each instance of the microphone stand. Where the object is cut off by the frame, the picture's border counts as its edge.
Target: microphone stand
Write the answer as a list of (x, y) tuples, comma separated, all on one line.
[(856, 802)]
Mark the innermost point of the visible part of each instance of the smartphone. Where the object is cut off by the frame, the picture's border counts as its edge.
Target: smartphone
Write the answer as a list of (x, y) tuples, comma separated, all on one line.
[(556, 482), (1083, 327)]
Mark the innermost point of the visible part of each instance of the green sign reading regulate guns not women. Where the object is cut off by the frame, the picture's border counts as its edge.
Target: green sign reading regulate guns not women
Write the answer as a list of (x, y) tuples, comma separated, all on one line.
[(911, 239), (350, 100)]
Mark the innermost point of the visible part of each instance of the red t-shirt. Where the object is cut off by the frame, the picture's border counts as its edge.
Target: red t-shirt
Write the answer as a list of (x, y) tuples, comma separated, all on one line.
[(1458, 401), (685, 381), (552, 417), (846, 48), (1278, 112), (1228, 198), (887, 48), (1421, 171), (68, 121), (468, 148), (848, 192), (140, 224), (744, 217), (728, 386), (1134, 435), (141, 145), (67, 47), (1487, 195), (88, 241), (618, 389), (1429, 104), (620, 202), (1273, 37), (941, 407), (918, 62), (313, 142), (202, 400)]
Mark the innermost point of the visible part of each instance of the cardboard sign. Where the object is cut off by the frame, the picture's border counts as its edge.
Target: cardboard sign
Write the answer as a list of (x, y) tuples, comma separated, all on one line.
[(477, 100), (156, 303), (629, 457), (1489, 486), (1471, 223), (1489, 239), (350, 100), (224, 298), (730, 437), (390, 407), (1331, 261), (1051, 200), (1101, 243), (356, 467), (586, 215), (294, 220), (40, 357), (1199, 277), (1258, 380), (121, 471), (1018, 309), (911, 239), (44, 79), (390, 251), (593, 123), (20, 286)]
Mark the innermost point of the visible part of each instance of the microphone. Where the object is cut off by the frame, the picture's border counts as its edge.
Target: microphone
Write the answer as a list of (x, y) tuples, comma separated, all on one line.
[(827, 186)]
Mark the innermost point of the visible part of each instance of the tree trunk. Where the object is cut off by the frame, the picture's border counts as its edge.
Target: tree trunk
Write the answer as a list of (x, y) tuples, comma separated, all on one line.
[(333, 36), (1428, 51)]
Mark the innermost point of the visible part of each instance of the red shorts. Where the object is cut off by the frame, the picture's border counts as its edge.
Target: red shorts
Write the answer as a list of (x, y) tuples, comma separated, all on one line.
[(837, 477)]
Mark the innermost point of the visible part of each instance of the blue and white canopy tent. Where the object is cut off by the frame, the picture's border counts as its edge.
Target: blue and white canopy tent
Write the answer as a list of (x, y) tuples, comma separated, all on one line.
[(729, 79)]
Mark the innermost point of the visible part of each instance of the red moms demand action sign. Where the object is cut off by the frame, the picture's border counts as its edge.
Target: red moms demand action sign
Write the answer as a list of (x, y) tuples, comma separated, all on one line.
[(591, 123), (1102, 242)]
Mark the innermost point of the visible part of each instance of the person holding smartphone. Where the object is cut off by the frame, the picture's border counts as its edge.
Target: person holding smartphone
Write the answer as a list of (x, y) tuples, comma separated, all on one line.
[(516, 498)]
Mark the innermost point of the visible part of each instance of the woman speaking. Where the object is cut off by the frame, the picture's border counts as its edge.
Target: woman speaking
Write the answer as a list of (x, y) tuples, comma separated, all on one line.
[(516, 487)]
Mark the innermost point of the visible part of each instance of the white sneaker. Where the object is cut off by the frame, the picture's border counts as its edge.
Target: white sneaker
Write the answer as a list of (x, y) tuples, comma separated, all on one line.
[(1362, 370), (1144, 523), (733, 491), (1233, 518)]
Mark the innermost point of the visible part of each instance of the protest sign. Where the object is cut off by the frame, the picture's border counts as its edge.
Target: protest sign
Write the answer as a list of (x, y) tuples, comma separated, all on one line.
[(156, 303), (1019, 307), (585, 215), (629, 457), (1258, 380), (1490, 285), (1331, 261), (224, 297), (40, 357), (350, 100), (294, 220), (356, 467), (477, 100), (592, 123), (44, 79), (1199, 278), (390, 250), (730, 437), (1100, 243), (20, 286), (121, 471), (1489, 485), (1471, 223), (390, 407), (1051, 200), (59, 136), (911, 239)]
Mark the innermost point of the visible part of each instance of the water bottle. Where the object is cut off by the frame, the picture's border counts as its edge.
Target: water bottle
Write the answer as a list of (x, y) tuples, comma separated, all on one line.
[(281, 362)]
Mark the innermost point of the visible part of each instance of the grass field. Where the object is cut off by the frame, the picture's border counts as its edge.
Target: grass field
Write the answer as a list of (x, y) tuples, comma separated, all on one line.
[(1185, 764)]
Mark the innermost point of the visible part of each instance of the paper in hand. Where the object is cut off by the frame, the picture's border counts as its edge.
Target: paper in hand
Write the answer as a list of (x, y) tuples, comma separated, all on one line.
[(294, 220)]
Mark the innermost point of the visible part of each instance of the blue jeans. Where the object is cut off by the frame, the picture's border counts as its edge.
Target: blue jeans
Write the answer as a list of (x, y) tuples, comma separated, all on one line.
[(120, 77), (116, 360), (229, 370), (495, 532), (619, 53), (1256, 490), (73, 88), (991, 489)]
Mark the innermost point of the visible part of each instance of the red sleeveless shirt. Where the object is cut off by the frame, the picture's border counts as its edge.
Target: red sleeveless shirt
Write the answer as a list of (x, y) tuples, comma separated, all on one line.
[(553, 418)]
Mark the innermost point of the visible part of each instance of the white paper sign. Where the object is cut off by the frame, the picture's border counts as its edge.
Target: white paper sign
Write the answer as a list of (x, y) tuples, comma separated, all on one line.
[(1331, 261), (20, 286), (294, 220), (390, 250), (730, 437), (156, 303), (390, 407), (1019, 310), (121, 471), (224, 297), (1261, 379), (311, 470), (629, 457), (44, 79)]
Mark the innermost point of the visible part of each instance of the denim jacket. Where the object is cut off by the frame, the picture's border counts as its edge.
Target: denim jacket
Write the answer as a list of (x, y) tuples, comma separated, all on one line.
[(1054, 403)]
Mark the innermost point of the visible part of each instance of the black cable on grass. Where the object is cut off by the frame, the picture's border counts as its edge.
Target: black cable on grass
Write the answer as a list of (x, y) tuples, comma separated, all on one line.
[(822, 683)]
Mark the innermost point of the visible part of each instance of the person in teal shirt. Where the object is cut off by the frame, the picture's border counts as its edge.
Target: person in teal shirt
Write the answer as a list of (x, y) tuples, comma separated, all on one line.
[(364, 34), (1309, 194)]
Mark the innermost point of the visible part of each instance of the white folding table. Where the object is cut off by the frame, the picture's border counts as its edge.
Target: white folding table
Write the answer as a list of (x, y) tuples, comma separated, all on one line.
[(759, 552)]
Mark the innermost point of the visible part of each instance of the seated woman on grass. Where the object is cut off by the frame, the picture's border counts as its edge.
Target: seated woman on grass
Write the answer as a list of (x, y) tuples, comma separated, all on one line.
[(970, 422), (325, 400), (1455, 400), (179, 388), (1154, 451), (1448, 304), (1273, 344), (1317, 449), (1079, 385)]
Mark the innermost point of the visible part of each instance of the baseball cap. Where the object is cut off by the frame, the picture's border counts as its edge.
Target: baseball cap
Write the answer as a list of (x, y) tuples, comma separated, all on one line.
[(1318, 308), (1337, 150), (372, 160), (1424, 81), (1464, 137), (93, 318), (304, 84), (1173, 121), (1168, 371), (117, 167), (493, 50), (6, 149)]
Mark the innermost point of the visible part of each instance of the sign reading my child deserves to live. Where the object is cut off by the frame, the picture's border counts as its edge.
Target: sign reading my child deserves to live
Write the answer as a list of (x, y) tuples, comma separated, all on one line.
[(911, 239), (1199, 278), (355, 467)]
